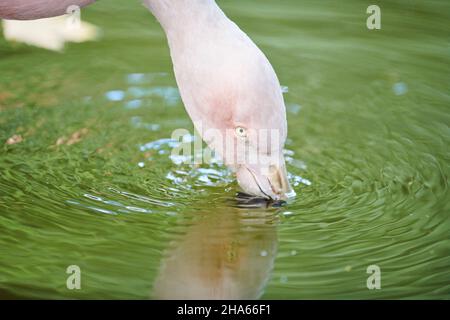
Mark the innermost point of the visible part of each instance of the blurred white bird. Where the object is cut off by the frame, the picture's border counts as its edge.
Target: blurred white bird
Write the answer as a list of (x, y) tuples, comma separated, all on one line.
[(49, 33)]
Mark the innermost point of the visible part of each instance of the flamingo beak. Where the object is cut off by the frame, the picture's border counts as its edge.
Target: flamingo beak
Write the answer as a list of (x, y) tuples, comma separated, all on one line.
[(270, 182)]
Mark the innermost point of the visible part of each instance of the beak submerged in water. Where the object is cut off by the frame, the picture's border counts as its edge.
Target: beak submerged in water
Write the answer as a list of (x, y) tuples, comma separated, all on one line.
[(270, 182)]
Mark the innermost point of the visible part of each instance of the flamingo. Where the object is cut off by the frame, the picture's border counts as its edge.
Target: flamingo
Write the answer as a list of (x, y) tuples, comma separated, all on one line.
[(227, 85)]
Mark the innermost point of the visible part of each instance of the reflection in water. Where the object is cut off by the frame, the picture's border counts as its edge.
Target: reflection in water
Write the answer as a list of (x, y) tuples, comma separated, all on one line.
[(227, 253)]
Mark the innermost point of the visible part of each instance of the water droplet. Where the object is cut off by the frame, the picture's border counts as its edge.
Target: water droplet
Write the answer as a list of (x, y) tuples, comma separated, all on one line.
[(90, 196), (133, 104), (294, 108), (136, 78), (160, 144), (296, 180), (102, 210), (288, 152), (400, 88), (115, 95), (136, 92), (188, 138), (138, 123)]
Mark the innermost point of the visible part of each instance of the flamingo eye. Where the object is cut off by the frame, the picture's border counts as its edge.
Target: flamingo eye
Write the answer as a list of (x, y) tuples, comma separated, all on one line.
[(241, 132)]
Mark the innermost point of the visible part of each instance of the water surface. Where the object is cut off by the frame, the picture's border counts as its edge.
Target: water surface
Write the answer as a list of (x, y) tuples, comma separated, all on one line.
[(92, 183)]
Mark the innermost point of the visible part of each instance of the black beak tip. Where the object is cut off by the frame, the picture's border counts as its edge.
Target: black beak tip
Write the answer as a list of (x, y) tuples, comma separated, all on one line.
[(245, 200)]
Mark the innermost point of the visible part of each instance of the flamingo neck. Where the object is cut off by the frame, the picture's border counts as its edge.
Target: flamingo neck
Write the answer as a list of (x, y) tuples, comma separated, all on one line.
[(181, 16)]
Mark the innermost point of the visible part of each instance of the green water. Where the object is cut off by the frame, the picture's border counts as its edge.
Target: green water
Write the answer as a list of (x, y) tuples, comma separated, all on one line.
[(368, 116)]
